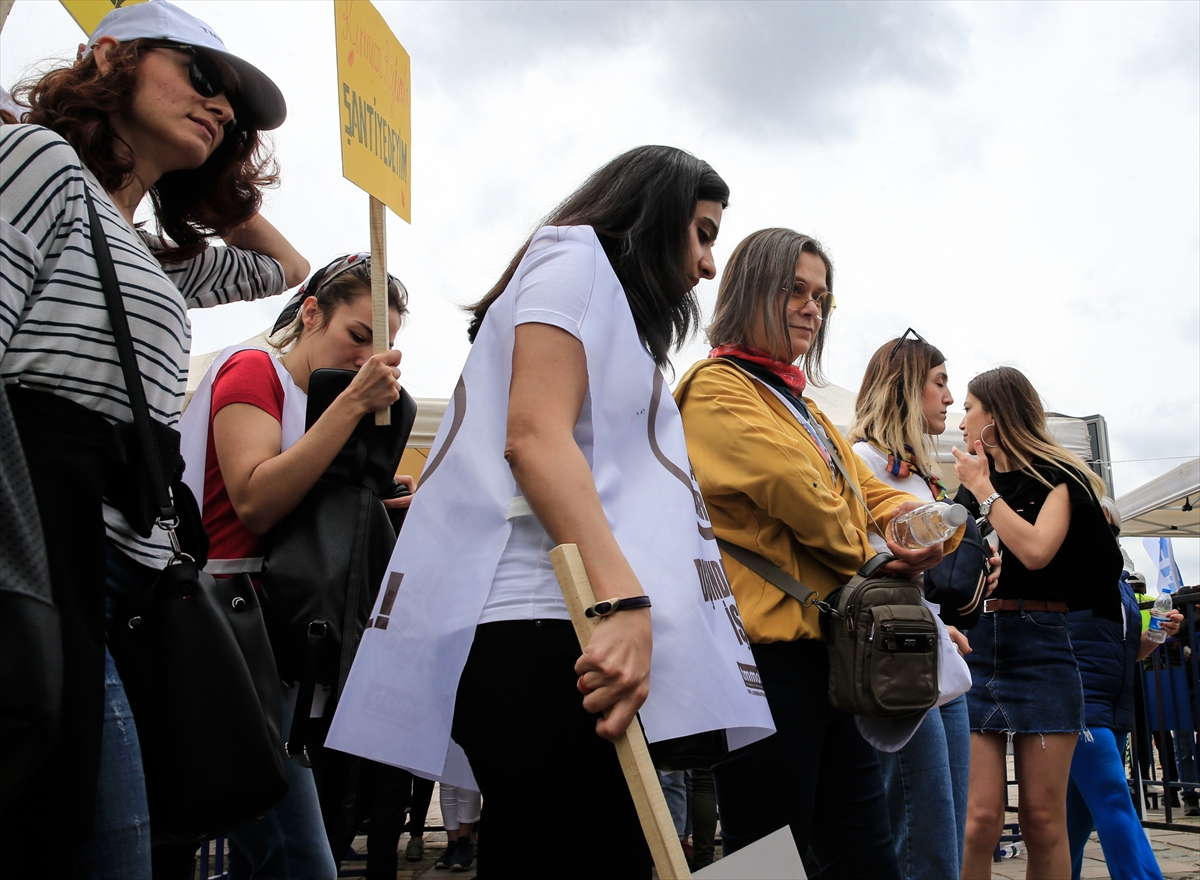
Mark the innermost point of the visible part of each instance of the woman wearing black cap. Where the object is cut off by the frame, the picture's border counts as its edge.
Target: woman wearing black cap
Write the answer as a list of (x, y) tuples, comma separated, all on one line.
[(154, 106)]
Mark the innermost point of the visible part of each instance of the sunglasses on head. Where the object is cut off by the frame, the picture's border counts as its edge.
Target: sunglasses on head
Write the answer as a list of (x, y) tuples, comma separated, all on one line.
[(915, 335), (203, 72)]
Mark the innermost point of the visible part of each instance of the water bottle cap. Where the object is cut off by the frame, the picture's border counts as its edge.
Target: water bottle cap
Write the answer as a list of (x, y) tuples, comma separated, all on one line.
[(955, 515)]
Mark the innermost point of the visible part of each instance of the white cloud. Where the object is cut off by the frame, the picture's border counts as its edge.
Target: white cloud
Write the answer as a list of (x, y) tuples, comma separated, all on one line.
[(1018, 182)]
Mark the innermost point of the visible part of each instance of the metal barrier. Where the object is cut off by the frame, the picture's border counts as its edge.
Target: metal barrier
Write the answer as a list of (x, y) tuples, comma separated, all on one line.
[(1168, 693), (218, 860)]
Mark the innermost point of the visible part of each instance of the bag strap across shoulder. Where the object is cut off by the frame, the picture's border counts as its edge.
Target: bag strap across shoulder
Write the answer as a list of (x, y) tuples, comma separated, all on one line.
[(773, 574), (797, 403), (129, 367)]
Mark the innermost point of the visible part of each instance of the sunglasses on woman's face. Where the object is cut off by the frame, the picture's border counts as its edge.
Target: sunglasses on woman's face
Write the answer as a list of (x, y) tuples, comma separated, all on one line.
[(203, 72)]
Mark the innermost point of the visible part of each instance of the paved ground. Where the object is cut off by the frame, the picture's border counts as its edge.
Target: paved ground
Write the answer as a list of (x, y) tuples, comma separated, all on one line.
[(1178, 854)]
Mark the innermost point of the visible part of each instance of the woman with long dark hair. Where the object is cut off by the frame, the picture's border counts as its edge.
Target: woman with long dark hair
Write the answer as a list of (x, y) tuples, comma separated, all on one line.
[(560, 431), (1059, 554), (765, 460), (155, 105)]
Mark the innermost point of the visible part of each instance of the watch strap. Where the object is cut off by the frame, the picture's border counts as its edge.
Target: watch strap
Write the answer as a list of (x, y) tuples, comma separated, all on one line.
[(612, 606)]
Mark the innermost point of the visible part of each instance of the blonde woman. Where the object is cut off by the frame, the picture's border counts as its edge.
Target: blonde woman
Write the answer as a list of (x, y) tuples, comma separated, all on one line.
[(902, 403), (1059, 554)]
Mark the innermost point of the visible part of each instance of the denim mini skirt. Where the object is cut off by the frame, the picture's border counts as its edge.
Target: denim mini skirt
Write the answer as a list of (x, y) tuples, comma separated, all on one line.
[(1024, 678)]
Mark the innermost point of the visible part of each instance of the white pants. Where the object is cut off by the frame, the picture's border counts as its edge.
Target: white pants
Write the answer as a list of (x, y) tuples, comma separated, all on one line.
[(459, 806)]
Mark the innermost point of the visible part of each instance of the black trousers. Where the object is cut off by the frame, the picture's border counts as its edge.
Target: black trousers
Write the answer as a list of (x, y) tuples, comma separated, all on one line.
[(815, 773), (539, 763)]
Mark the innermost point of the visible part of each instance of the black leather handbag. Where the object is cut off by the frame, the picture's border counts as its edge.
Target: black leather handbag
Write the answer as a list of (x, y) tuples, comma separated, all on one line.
[(324, 561), (193, 653), (197, 666)]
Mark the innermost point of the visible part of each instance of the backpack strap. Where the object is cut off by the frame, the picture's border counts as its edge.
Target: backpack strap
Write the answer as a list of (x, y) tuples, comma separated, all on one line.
[(296, 746)]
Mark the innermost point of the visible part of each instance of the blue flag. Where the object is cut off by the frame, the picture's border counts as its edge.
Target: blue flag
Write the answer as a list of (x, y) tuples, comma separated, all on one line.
[(1163, 557)]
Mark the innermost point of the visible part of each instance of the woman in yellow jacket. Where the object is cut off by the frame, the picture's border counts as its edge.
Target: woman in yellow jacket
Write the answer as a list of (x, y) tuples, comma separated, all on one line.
[(761, 456)]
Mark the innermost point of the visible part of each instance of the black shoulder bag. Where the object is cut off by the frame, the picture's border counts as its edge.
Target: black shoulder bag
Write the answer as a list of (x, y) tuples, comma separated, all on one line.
[(192, 652)]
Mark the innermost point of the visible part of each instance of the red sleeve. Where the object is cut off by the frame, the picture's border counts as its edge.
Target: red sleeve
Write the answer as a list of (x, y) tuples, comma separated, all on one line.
[(249, 377)]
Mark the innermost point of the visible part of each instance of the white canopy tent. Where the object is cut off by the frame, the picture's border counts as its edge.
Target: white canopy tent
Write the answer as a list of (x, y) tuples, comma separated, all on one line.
[(1163, 507), (834, 400)]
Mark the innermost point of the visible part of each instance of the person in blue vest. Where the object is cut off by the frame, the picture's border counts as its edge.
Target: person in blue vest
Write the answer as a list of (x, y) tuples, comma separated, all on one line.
[(1098, 794)]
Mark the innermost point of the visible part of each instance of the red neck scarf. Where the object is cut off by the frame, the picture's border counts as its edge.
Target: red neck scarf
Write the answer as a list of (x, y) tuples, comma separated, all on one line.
[(792, 376)]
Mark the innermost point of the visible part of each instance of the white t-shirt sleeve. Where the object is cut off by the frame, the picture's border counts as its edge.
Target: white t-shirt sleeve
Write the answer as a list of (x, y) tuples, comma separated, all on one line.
[(556, 286)]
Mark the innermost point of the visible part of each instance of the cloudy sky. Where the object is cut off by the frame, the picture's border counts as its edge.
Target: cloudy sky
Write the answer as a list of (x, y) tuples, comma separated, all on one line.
[(1020, 183)]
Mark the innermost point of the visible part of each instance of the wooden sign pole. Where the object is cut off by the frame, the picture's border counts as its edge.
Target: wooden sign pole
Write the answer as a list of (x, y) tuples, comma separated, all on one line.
[(379, 297), (632, 751)]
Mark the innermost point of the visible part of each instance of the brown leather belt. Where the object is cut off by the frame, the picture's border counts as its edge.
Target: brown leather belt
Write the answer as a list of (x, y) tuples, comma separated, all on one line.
[(991, 605)]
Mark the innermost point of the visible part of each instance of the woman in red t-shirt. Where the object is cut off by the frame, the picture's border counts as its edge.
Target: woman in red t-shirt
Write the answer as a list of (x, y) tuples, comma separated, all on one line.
[(252, 479), (259, 465)]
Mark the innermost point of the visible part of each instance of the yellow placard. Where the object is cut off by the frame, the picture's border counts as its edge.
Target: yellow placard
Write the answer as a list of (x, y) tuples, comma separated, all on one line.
[(88, 13), (375, 101)]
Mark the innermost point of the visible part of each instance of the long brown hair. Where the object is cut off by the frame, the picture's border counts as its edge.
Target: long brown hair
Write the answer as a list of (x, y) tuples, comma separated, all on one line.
[(1020, 425), (640, 206), (78, 103), (888, 411), (757, 281)]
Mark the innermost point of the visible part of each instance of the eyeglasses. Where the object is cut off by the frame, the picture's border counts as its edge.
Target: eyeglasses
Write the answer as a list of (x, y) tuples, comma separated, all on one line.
[(915, 335), (203, 72), (799, 298)]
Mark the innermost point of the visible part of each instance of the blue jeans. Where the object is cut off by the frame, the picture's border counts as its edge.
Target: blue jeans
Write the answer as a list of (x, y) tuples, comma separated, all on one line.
[(674, 789), (120, 844), (288, 842), (1098, 797), (957, 723), (926, 794)]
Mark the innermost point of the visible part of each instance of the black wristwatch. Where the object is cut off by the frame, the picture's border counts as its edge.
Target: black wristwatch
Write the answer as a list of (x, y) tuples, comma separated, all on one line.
[(612, 606)]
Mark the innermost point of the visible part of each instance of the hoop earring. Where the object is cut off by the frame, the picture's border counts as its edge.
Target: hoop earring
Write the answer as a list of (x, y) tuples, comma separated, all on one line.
[(991, 425)]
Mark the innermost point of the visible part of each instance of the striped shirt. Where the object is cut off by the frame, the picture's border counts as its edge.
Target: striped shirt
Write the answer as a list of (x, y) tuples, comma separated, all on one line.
[(55, 334)]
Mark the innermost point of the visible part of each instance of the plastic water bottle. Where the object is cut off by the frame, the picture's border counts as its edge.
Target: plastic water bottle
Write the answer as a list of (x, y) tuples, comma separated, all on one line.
[(1012, 850), (1159, 612), (926, 525)]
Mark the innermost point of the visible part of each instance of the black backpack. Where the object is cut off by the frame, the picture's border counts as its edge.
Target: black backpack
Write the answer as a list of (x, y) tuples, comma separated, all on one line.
[(324, 560)]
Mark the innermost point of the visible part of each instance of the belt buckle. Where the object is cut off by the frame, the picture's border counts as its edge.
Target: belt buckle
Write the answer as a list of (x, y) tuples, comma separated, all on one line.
[(990, 606)]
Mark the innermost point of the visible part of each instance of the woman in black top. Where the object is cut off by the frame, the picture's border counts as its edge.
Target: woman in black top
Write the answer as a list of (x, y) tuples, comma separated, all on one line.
[(1058, 552)]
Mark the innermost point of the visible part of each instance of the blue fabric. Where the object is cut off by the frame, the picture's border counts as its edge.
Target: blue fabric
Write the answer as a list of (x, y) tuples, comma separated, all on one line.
[(1098, 797), (120, 844), (289, 841), (920, 798), (957, 724), (1023, 674), (674, 789), (1107, 655)]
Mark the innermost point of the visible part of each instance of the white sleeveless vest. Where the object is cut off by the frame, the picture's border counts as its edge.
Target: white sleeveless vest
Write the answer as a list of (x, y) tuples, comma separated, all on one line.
[(193, 445), (399, 699)]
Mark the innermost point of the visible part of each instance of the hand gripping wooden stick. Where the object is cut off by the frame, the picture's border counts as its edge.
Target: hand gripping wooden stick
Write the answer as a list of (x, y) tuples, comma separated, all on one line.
[(640, 775), (379, 293)]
